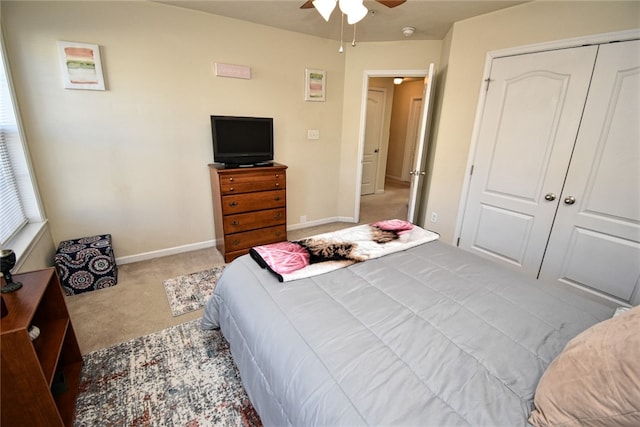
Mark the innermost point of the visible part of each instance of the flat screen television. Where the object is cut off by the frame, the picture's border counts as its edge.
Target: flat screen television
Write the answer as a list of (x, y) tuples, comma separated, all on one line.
[(242, 141)]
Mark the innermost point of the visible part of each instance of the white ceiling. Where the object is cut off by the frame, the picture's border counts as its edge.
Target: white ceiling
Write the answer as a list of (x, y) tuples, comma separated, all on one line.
[(431, 18)]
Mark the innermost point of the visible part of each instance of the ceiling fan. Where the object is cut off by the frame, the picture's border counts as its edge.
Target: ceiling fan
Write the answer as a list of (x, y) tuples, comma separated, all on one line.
[(389, 3), (354, 10)]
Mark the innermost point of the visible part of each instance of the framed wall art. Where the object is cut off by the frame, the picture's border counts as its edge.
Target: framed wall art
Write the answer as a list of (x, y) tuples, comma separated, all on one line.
[(315, 85), (81, 65)]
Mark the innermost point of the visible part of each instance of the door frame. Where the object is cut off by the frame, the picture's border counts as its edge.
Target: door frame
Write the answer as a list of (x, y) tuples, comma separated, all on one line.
[(520, 50), (363, 117)]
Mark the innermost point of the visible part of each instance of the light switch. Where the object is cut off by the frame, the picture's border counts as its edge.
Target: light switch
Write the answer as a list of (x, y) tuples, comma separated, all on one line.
[(313, 134)]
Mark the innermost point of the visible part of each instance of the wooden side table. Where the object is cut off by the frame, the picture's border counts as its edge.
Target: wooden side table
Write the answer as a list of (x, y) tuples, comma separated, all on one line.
[(38, 378)]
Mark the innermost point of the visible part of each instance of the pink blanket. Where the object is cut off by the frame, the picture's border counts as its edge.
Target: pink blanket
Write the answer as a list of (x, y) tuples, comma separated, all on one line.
[(329, 251)]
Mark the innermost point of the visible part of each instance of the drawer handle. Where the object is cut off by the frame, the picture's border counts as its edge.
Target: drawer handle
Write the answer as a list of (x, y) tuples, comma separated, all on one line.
[(278, 214), (235, 222), (233, 204), (231, 188), (277, 175), (277, 198), (235, 242), (278, 233), (230, 179), (277, 184)]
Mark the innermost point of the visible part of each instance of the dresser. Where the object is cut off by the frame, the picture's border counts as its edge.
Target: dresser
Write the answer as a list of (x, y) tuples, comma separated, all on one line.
[(249, 207)]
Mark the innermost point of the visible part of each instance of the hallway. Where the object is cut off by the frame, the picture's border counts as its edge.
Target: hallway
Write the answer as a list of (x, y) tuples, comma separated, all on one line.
[(392, 204)]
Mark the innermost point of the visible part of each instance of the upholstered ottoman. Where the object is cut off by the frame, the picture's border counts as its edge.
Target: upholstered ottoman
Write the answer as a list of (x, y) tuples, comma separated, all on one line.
[(86, 264)]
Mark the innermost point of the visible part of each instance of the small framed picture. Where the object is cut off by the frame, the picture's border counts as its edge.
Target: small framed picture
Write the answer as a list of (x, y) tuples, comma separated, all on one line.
[(81, 65), (315, 85)]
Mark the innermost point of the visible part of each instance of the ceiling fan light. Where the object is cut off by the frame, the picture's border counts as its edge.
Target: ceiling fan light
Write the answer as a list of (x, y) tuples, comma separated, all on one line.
[(356, 14), (354, 9), (324, 7), (397, 80)]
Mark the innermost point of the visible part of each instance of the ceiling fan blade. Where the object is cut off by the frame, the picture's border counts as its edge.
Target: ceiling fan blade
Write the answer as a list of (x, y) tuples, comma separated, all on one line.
[(391, 3), (307, 5)]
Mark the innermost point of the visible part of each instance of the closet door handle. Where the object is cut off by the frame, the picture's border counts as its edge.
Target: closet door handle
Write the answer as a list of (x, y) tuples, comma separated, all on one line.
[(550, 197), (569, 200)]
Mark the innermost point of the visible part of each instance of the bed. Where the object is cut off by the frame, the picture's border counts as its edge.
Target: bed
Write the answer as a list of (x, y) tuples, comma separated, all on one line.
[(430, 336)]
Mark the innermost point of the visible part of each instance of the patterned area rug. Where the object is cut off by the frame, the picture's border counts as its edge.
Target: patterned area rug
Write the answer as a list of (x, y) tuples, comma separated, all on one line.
[(181, 376), (192, 291)]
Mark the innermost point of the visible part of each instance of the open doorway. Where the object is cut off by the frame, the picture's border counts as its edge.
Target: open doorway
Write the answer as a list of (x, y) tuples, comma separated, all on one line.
[(392, 124)]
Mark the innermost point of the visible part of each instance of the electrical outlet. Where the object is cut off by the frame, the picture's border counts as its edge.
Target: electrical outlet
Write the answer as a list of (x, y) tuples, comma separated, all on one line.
[(313, 134), (434, 217)]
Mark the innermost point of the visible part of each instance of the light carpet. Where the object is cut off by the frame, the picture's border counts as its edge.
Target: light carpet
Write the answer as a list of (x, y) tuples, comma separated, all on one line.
[(181, 376), (192, 291)]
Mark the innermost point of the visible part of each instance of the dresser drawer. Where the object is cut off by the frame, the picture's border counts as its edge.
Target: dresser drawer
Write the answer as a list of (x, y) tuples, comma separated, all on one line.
[(252, 220), (249, 182), (249, 202), (248, 239)]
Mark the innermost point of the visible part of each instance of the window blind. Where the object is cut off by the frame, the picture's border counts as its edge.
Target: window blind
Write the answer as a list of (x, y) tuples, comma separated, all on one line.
[(12, 213)]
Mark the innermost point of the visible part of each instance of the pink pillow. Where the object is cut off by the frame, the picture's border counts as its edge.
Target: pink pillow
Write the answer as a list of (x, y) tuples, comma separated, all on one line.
[(396, 225), (284, 257)]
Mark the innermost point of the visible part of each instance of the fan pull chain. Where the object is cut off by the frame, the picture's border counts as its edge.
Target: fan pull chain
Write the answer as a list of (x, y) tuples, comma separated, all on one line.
[(353, 43), (341, 34)]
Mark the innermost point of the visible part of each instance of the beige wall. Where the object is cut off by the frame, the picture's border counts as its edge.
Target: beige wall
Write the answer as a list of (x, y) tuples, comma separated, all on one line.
[(403, 55), (440, 81), (470, 41), (132, 160)]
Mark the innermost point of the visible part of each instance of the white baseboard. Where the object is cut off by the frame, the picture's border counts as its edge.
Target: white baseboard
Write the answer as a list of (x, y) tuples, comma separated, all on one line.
[(212, 243), (323, 221), (165, 252)]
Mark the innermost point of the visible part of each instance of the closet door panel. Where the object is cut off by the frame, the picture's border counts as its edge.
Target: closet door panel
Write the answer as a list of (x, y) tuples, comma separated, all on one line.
[(595, 241), (530, 120)]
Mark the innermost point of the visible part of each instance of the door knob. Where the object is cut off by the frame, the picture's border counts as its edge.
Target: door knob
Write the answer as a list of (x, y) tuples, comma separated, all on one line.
[(550, 197), (569, 200)]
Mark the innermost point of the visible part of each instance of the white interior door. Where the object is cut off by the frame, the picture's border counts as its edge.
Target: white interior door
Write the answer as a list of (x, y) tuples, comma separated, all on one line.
[(421, 147), (530, 120), (595, 240), (372, 137), (413, 127)]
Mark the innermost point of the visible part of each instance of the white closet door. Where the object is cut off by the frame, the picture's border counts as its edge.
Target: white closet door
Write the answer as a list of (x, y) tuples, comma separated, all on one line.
[(530, 120), (595, 241)]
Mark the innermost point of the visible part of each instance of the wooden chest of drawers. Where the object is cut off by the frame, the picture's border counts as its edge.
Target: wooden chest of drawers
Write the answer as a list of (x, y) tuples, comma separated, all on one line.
[(249, 207)]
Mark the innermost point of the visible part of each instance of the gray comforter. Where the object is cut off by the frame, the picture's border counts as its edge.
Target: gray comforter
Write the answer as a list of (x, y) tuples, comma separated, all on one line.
[(432, 336)]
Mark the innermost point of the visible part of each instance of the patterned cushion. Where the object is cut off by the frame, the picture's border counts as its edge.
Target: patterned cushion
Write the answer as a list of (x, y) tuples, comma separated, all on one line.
[(86, 264)]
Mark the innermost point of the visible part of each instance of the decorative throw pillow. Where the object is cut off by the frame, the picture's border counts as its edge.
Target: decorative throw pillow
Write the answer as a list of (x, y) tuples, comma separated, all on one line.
[(595, 380)]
